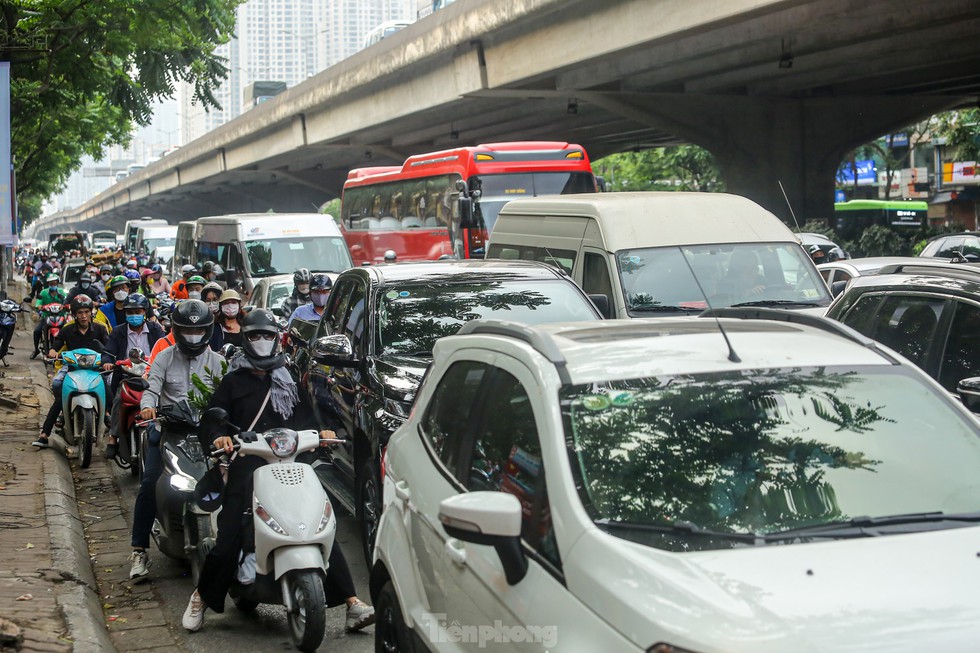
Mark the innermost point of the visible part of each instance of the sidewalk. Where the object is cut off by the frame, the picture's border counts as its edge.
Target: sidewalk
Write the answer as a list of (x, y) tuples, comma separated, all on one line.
[(48, 600)]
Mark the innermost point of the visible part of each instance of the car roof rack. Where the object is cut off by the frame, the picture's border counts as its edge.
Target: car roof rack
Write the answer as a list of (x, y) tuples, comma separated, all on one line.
[(796, 317), (959, 269), (540, 341)]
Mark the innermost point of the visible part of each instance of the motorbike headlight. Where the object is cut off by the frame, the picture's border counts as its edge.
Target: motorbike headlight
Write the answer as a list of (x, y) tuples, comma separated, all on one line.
[(87, 360), (327, 514), (264, 515), (283, 442), (179, 480)]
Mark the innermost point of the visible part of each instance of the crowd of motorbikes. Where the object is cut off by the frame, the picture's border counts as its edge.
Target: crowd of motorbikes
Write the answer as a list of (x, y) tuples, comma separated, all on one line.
[(291, 549)]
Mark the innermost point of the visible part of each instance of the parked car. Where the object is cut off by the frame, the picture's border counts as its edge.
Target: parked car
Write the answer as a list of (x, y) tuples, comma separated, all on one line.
[(363, 361), (966, 244), (838, 273), (931, 319), (269, 292), (631, 486), (832, 251)]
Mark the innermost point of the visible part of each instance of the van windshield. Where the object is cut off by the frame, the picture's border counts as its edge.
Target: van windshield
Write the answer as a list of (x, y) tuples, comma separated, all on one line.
[(282, 255), (660, 279)]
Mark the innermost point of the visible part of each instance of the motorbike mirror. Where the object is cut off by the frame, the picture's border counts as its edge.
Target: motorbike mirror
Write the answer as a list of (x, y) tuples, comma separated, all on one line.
[(216, 416), (135, 354), (228, 350)]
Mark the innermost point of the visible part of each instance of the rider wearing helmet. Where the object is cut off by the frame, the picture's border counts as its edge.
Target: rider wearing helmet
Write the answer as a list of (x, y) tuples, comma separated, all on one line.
[(83, 333), (258, 393), (158, 283), (53, 293), (85, 286), (169, 382), (118, 292), (134, 280), (210, 271), (300, 294), (139, 333), (194, 286), (817, 254), (320, 285), (179, 289)]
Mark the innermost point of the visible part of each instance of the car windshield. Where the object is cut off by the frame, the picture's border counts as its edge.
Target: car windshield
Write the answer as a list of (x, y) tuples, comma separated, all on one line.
[(281, 255), (660, 279), (412, 317), (760, 451), (497, 190), (151, 244)]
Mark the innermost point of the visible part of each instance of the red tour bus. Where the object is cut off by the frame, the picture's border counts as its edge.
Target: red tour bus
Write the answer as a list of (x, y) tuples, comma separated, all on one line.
[(445, 203)]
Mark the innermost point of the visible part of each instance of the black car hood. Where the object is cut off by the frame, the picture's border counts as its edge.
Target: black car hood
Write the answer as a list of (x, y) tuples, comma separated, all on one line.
[(400, 375)]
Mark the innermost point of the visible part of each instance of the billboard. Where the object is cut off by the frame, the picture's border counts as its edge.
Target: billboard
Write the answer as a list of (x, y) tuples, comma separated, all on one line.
[(866, 173), (961, 172)]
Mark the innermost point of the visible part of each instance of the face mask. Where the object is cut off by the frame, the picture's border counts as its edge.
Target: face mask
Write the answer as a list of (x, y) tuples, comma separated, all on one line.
[(194, 294), (230, 310), (213, 306), (193, 339), (135, 320), (320, 299), (303, 288), (156, 277), (263, 348), (120, 295), (85, 284), (106, 277)]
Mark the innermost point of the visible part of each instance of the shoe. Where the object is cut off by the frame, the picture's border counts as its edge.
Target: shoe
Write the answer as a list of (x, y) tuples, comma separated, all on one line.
[(112, 450), (41, 442), (194, 614), (359, 615), (139, 565), (35, 354)]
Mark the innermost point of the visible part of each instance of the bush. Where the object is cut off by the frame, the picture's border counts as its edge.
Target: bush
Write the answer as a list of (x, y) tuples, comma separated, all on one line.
[(881, 241)]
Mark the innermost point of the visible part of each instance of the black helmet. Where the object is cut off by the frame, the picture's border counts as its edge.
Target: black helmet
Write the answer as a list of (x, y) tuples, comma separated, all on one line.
[(136, 301), (105, 267), (81, 301), (320, 280), (207, 267), (301, 275), (260, 320), (85, 278), (191, 314)]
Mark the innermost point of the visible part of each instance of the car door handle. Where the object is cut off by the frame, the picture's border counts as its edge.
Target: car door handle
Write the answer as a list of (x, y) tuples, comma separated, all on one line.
[(456, 551), (402, 493)]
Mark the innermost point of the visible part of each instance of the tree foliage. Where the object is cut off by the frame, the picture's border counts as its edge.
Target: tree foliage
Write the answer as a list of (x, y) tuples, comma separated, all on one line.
[(961, 129), (84, 71), (682, 167)]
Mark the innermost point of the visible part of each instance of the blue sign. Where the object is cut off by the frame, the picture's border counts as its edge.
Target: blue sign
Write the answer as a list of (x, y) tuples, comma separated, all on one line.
[(839, 196), (900, 139), (866, 173)]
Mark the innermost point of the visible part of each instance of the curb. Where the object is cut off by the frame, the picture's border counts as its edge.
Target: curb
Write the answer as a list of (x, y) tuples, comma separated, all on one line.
[(78, 596)]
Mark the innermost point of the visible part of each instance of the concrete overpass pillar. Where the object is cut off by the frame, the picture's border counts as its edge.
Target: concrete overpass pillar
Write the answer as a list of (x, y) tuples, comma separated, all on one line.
[(762, 141)]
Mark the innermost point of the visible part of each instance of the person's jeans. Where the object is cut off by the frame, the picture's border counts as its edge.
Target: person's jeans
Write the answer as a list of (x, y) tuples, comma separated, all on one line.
[(37, 334), (146, 498), (55, 410)]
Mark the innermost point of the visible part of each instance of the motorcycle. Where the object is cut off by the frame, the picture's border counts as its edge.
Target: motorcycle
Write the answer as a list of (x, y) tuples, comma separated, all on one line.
[(83, 400), (131, 392), (54, 316), (291, 556), (164, 305), (179, 523), (8, 321)]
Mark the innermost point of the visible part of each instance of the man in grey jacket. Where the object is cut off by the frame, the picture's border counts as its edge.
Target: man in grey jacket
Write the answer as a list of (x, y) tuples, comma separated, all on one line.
[(169, 382)]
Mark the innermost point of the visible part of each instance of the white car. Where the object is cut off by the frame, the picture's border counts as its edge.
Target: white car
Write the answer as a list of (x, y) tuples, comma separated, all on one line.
[(643, 486)]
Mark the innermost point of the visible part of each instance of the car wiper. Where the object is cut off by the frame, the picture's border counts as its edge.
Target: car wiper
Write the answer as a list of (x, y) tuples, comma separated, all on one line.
[(678, 528), (658, 308), (867, 526), (776, 302)]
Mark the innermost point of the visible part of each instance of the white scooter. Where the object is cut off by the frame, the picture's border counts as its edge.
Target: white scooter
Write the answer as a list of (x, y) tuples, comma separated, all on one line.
[(294, 529)]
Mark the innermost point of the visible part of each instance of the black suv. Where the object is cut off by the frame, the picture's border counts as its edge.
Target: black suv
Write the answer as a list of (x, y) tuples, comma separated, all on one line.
[(362, 363)]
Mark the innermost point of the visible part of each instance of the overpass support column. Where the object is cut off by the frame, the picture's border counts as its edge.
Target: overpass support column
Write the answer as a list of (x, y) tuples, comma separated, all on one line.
[(762, 141)]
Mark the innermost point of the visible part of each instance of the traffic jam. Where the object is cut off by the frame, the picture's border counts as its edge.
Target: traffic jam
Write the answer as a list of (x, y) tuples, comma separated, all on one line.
[(549, 417)]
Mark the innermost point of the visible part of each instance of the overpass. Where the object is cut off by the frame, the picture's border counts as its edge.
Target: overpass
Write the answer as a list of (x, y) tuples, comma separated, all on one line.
[(775, 89)]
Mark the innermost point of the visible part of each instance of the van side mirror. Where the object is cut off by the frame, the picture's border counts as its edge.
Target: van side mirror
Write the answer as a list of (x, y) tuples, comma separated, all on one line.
[(969, 391), (601, 302)]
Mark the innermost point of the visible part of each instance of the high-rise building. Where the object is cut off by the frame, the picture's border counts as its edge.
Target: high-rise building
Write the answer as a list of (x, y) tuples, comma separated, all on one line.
[(342, 24)]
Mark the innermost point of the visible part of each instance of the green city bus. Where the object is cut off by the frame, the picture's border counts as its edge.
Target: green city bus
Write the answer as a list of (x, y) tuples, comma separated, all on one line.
[(853, 217)]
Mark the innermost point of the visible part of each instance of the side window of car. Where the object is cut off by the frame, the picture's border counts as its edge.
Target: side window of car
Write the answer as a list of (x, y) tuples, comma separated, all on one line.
[(961, 359), (595, 275), (506, 457), (448, 419), (907, 324), (860, 316), (950, 247), (356, 316), (336, 311)]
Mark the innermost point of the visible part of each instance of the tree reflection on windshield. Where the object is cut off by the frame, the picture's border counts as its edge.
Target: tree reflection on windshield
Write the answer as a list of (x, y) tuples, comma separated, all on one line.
[(752, 451)]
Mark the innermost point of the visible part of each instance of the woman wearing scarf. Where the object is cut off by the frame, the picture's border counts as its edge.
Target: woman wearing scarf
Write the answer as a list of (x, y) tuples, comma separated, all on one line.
[(254, 372)]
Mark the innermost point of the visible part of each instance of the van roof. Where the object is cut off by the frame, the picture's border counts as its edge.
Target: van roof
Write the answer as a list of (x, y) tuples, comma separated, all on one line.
[(642, 219), (255, 224)]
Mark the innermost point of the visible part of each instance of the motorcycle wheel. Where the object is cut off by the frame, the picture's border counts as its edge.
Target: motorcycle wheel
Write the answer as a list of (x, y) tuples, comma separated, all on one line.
[(135, 457), (203, 543), (87, 423), (391, 634), (308, 619)]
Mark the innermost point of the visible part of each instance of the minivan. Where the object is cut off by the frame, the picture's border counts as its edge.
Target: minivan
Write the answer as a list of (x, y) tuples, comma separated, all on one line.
[(184, 247), (129, 231), (149, 239), (253, 245), (663, 253)]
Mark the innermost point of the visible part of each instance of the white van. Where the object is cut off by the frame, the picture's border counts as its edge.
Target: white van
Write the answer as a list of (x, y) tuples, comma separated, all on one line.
[(663, 253), (184, 247), (129, 231), (253, 245), (149, 239)]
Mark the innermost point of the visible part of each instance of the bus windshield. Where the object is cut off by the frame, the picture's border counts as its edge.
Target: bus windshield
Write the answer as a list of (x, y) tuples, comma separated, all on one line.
[(497, 190), (151, 244), (282, 255)]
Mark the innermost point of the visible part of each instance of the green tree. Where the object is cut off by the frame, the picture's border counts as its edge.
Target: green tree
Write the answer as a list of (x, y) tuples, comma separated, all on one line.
[(961, 129), (682, 167), (84, 71)]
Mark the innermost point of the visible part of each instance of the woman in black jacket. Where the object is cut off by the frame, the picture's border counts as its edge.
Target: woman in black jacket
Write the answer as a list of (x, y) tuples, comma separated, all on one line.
[(255, 372)]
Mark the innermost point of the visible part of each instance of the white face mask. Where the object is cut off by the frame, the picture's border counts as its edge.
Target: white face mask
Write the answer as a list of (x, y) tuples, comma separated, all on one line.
[(263, 348), (303, 288), (120, 295), (193, 339), (213, 306), (106, 277), (230, 310), (194, 294)]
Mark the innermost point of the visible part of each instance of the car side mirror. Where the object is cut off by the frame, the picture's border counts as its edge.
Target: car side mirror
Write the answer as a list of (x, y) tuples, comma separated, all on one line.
[(337, 351), (601, 302), (491, 518), (969, 391)]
